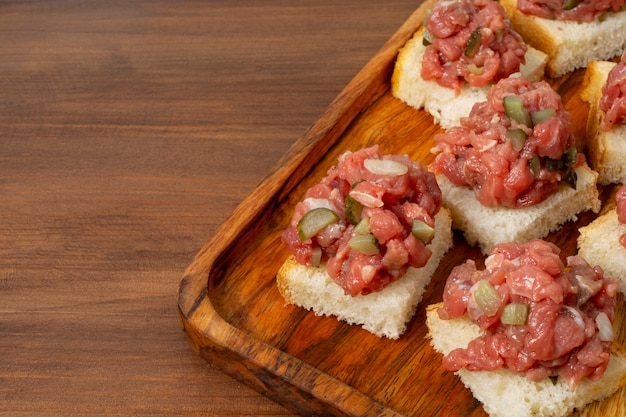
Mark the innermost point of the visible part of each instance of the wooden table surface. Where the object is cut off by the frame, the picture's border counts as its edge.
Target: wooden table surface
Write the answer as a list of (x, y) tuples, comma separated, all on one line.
[(129, 131)]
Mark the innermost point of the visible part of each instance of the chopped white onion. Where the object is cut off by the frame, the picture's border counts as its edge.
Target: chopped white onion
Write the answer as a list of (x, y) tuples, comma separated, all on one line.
[(367, 273), (497, 260), (385, 167), (367, 200), (605, 328), (488, 145), (576, 316), (313, 203)]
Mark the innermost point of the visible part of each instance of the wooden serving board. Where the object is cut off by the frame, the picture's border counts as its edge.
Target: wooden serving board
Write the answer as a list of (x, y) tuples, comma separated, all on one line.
[(235, 318)]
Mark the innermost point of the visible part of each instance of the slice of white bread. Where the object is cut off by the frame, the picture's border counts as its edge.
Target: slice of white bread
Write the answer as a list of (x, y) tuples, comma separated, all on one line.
[(441, 102), (606, 150), (383, 313), (489, 226), (568, 44), (507, 394), (599, 244)]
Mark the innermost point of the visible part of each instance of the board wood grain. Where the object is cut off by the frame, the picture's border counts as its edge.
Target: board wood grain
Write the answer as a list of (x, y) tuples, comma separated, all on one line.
[(234, 317)]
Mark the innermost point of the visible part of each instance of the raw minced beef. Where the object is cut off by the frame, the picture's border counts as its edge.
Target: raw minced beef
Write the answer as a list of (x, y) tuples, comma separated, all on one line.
[(377, 207), (470, 41), (511, 162), (613, 100), (566, 328), (575, 10)]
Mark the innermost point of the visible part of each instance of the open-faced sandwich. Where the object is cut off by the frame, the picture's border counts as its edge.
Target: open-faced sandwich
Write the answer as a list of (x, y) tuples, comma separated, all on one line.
[(463, 47), (365, 241), (604, 87), (511, 171), (603, 241), (528, 335), (571, 32)]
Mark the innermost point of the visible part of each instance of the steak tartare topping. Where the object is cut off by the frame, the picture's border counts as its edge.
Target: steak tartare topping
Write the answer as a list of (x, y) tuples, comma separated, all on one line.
[(368, 220), (578, 10), (538, 317), (515, 149), (470, 41), (613, 100)]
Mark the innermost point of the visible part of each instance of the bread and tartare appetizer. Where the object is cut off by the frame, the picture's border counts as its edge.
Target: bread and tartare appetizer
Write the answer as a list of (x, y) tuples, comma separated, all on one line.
[(511, 171), (463, 47), (604, 88), (603, 241), (365, 241), (528, 334), (571, 32)]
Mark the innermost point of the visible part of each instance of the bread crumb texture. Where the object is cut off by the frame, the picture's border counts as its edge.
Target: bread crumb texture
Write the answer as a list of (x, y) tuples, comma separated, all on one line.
[(598, 244)]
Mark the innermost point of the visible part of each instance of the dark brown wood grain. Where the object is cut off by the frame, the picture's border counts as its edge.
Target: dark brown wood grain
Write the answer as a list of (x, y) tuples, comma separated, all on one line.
[(235, 317), (129, 131)]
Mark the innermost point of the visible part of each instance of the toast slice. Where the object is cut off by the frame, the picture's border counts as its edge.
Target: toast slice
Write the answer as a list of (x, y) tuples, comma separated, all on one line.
[(507, 394), (383, 313), (488, 226), (568, 44), (599, 244), (441, 102), (606, 149)]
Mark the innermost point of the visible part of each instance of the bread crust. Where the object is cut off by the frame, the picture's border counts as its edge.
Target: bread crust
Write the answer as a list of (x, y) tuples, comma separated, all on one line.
[(568, 44)]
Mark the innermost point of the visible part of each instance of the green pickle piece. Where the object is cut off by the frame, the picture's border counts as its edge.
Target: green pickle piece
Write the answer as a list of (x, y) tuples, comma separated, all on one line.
[(535, 165), (314, 221), (554, 164), (515, 314), (422, 231), (570, 156), (514, 108), (473, 43), (517, 137), (427, 38), (362, 227), (487, 298), (542, 115), (367, 244), (353, 210), (571, 178)]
